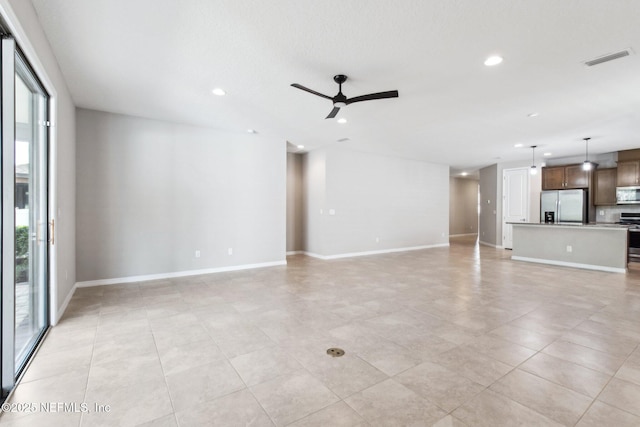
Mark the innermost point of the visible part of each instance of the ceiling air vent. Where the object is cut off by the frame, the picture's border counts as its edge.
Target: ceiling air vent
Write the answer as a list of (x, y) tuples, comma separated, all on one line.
[(607, 58)]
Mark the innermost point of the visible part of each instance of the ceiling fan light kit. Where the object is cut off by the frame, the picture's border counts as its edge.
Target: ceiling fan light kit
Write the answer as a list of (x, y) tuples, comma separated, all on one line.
[(340, 100)]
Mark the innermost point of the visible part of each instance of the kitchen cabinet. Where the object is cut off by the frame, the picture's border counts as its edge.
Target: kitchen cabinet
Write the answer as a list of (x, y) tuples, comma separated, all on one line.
[(553, 178), (605, 187), (565, 177), (628, 173)]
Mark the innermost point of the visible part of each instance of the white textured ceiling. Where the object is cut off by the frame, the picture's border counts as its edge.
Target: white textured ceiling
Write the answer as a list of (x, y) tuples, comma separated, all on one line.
[(161, 59)]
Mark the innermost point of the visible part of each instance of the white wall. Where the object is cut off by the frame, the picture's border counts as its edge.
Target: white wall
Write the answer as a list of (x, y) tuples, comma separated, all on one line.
[(463, 206), (29, 35), (151, 193), (401, 203)]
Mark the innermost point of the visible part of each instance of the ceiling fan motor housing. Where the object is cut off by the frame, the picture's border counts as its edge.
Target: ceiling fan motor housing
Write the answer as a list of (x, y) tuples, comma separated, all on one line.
[(339, 78)]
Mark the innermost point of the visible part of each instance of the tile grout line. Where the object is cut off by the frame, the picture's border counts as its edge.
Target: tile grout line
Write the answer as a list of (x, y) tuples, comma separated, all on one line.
[(605, 386)]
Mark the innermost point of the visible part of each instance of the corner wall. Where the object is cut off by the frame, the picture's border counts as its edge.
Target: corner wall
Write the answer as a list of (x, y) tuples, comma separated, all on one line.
[(488, 205), (295, 203), (152, 193), (374, 203)]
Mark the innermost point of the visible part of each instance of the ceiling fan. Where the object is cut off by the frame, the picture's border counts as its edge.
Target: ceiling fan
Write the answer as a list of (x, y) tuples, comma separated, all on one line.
[(340, 100)]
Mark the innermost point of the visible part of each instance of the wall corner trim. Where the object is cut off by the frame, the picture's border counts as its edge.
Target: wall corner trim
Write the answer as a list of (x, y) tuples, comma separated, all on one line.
[(490, 244), (55, 319), (143, 278)]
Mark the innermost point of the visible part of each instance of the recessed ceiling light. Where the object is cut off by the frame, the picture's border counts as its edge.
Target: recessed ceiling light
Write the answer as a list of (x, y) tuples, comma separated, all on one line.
[(219, 92), (464, 174), (547, 154), (493, 60), (251, 131), (342, 120), (533, 115), (518, 145), (301, 146)]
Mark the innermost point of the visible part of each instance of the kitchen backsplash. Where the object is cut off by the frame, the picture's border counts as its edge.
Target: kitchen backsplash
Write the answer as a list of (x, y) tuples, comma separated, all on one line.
[(612, 213)]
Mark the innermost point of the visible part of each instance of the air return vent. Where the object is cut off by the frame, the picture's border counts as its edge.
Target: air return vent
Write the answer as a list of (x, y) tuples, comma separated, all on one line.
[(607, 58)]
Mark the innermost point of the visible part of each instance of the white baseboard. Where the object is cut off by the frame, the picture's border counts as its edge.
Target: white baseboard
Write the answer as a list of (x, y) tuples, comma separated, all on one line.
[(570, 264), (60, 311), (462, 235), (490, 244), (289, 253), (147, 277), (383, 251)]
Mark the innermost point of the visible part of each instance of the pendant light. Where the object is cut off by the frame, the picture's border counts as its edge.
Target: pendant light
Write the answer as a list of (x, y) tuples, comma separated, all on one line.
[(586, 166), (533, 169)]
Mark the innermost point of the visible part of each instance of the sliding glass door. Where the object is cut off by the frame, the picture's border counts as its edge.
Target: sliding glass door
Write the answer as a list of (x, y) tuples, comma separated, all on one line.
[(25, 226)]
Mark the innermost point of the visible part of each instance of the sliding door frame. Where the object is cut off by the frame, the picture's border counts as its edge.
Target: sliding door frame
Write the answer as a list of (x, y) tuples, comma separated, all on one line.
[(7, 129), (14, 62)]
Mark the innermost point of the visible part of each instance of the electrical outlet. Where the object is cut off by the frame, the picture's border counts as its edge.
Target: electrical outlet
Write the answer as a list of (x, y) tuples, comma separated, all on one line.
[(332, 211), (197, 254), (377, 240), (569, 248), (601, 213), (230, 251)]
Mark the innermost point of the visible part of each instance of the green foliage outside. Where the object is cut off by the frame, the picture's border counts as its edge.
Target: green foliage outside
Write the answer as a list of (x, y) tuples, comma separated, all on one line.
[(22, 257), (22, 240)]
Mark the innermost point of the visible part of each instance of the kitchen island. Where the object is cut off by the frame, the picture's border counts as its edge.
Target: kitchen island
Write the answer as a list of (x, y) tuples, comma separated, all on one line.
[(591, 246)]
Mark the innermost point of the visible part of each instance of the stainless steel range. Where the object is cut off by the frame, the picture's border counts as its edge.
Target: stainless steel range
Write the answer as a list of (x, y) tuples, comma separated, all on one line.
[(633, 221)]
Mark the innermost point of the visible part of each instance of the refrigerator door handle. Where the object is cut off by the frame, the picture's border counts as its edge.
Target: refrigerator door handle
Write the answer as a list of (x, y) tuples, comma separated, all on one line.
[(557, 219)]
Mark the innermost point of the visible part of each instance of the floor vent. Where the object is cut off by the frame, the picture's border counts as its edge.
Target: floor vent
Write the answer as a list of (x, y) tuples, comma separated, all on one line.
[(607, 58), (335, 352)]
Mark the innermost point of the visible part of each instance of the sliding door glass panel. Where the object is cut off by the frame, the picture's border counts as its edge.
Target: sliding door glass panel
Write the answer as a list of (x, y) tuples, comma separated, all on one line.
[(31, 225)]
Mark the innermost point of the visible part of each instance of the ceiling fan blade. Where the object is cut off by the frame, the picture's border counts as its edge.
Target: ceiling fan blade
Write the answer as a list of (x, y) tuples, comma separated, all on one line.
[(306, 89), (372, 96), (333, 113)]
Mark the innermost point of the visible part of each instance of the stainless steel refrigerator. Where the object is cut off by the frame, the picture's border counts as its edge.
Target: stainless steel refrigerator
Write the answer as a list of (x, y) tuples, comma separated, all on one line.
[(563, 206)]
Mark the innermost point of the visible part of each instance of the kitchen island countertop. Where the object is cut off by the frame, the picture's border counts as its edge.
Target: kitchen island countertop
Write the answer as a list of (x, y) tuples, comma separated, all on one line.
[(607, 225)]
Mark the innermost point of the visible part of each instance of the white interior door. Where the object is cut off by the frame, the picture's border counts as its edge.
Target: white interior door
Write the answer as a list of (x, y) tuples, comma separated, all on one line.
[(515, 202)]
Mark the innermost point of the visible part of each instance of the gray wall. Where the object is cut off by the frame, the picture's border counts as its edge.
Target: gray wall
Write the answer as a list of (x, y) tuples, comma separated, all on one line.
[(488, 205), (463, 206), (295, 203), (589, 245), (26, 28), (314, 172), (401, 203), (151, 193)]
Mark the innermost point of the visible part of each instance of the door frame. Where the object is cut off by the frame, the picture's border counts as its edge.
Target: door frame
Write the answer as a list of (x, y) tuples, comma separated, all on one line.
[(14, 59), (527, 208)]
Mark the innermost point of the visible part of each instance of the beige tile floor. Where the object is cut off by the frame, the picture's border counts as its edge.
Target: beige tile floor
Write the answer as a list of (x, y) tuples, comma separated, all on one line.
[(458, 336)]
